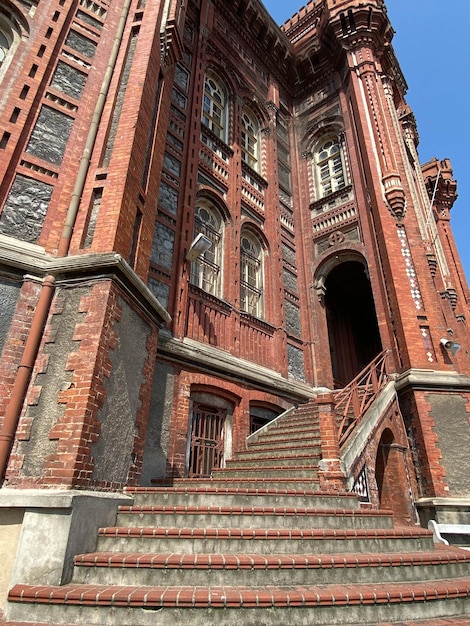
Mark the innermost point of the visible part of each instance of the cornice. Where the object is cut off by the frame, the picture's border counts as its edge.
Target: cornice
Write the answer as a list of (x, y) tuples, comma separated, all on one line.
[(206, 358), (252, 22), (432, 380), (22, 258)]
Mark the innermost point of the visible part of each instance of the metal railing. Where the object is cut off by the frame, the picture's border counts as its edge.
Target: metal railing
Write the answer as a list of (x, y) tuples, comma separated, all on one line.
[(353, 401)]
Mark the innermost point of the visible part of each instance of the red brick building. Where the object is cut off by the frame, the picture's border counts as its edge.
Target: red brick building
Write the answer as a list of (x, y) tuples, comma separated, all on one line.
[(206, 220)]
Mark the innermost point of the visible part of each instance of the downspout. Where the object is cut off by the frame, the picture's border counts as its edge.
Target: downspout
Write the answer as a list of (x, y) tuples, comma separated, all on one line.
[(33, 341)]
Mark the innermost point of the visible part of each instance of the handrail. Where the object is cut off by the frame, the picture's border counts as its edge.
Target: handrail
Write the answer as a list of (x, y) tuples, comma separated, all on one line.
[(353, 401)]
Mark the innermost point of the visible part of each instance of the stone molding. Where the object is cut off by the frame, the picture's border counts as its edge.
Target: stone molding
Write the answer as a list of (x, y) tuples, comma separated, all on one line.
[(221, 363), (32, 259)]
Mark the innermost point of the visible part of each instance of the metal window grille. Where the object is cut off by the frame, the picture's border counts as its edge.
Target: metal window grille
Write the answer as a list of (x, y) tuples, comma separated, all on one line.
[(207, 440)]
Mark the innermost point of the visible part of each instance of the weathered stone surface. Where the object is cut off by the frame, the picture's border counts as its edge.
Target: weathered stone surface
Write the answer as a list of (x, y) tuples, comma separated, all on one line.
[(290, 281), (168, 198), (50, 135), (156, 442), (160, 290), (450, 417), (45, 413), (295, 359), (9, 293), (113, 450), (25, 209), (81, 44), (292, 318), (171, 164), (162, 245), (68, 80), (89, 19)]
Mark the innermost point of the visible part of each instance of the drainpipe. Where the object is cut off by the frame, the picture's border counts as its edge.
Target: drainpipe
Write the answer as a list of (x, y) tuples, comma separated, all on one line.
[(33, 341)]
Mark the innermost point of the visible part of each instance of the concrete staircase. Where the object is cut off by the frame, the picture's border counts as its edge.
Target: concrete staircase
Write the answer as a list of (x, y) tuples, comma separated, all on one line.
[(258, 544)]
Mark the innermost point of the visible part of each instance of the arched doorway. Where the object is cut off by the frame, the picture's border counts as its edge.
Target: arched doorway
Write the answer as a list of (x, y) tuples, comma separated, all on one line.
[(353, 331), (393, 486), (384, 471)]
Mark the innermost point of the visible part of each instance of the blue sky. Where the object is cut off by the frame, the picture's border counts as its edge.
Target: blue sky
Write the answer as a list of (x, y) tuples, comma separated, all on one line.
[(432, 44)]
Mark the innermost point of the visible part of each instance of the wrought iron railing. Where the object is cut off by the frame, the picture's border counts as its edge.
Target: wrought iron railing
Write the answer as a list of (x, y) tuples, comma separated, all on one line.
[(352, 402)]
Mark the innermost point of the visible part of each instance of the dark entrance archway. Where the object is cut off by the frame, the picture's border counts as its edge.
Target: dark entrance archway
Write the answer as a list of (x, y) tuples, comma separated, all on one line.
[(353, 331)]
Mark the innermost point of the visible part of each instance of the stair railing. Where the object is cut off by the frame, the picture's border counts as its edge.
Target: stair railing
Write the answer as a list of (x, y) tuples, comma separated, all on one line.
[(353, 401)]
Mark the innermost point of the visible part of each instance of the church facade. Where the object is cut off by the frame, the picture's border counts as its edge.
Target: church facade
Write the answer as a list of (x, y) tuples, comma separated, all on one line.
[(205, 221)]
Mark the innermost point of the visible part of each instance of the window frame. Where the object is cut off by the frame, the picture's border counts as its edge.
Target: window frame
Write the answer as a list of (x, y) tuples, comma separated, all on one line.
[(13, 32), (252, 276), (330, 166), (206, 269), (249, 139), (214, 114)]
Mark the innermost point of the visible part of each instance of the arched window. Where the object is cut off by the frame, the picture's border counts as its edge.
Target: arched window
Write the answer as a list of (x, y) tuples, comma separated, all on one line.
[(249, 139), (205, 269), (10, 36), (251, 275), (330, 166), (214, 110), (4, 47)]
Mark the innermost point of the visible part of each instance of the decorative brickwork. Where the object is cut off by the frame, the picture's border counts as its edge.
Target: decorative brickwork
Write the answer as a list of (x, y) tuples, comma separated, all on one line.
[(121, 124)]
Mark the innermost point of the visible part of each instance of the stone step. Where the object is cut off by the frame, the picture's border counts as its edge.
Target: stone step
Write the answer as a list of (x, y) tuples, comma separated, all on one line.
[(270, 451), (262, 540), (273, 458), (242, 493), (274, 569), (293, 472), (462, 620), (281, 441), (251, 517), (264, 606), (293, 427)]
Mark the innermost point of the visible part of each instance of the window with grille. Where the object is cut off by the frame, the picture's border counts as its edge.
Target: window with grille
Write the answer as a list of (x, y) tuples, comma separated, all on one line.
[(214, 109), (205, 270), (249, 140), (207, 440), (330, 167), (251, 276)]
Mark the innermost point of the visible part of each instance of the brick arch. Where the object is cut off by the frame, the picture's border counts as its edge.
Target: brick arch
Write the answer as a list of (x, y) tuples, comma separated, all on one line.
[(391, 476), (255, 231), (338, 254), (315, 133), (348, 314), (207, 194), (215, 390)]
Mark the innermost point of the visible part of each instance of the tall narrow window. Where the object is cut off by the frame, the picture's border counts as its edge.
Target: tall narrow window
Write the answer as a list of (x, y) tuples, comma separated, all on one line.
[(205, 270), (251, 275), (249, 140), (214, 110), (330, 166)]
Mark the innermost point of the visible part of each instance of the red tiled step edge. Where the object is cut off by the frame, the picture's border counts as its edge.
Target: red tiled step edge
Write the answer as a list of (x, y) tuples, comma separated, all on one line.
[(253, 510), (246, 597), (274, 561), (265, 533)]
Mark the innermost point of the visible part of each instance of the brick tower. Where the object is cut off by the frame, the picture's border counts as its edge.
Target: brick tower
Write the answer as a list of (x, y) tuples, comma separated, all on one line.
[(205, 221)]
